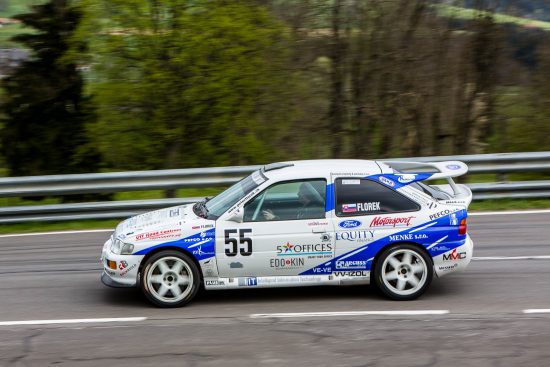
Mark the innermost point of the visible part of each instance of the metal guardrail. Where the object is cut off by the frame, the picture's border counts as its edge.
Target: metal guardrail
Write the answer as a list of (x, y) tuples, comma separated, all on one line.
[(57, 185)]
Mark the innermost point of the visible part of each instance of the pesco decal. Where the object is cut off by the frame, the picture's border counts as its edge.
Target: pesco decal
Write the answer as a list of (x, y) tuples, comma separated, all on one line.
[(349, 223), (441, 214), (391, 221)]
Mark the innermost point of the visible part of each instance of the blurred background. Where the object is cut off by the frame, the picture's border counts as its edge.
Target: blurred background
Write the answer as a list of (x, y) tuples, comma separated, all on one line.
[(99, 85)]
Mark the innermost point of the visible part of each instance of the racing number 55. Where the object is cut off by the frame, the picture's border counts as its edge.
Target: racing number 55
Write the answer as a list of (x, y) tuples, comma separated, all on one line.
[(234, 248)]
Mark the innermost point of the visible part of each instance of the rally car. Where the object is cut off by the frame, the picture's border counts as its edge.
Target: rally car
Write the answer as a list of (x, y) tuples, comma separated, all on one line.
[(302, 223)]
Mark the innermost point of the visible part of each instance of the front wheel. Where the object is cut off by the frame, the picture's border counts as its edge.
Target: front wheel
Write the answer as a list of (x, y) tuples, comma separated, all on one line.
[(170, 279), (403, 272)]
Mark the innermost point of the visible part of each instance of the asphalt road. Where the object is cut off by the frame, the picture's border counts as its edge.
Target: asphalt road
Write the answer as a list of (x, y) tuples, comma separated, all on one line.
[(56, 277)]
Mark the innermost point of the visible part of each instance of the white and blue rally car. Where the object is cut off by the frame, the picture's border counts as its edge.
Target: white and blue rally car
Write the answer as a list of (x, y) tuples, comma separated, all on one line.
[(302, 223)]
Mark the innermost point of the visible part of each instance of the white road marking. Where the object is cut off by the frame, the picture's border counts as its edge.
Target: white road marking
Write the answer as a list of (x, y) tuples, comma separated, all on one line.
[(509, 212), (72, 321), (349, 313), (537, 310), (59, 232), (489, 258)]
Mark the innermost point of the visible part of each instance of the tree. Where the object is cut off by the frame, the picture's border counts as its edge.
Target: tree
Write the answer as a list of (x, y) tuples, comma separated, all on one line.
[(44, 111), (185, 83)]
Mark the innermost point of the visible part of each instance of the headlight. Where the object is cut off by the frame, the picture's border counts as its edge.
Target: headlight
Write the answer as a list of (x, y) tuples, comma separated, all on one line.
[(120, 248)]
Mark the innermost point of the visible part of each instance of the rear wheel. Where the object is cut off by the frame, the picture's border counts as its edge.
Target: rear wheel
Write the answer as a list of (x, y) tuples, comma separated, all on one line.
[(403, 272), (170, 279)]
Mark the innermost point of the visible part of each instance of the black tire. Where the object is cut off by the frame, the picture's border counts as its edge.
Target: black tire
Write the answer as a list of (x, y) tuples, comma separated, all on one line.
[(171, 280), (405, 272)]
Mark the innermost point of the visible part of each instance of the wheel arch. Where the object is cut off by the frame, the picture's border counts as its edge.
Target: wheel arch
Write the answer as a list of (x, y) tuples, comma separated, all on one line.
[(172, 248), (382, 249)]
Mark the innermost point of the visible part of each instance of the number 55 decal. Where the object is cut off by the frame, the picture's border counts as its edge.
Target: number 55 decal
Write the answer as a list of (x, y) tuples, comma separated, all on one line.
[(233, 249)]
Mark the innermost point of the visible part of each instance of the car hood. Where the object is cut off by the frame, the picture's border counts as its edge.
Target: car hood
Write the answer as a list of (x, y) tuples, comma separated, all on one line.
[(164, 225)]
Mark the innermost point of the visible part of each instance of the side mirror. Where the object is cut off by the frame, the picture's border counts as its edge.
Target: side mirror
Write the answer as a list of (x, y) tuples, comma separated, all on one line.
[(237, 216)]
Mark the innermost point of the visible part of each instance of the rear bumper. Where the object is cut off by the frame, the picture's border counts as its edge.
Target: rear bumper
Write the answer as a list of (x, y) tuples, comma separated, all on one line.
[(452, 261)]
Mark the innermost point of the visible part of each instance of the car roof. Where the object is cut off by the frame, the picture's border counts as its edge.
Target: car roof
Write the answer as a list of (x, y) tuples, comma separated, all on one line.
[(311, 168)]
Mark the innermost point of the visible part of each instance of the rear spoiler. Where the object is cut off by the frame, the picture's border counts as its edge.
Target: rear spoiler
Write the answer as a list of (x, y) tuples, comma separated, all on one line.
[(420, 171)]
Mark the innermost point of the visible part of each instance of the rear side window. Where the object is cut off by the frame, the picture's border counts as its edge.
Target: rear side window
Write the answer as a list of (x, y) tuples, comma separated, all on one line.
[(360, 196)]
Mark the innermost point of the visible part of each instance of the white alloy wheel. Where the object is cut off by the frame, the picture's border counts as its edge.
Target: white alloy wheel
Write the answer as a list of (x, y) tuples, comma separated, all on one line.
[(403, 272), (170, 279)]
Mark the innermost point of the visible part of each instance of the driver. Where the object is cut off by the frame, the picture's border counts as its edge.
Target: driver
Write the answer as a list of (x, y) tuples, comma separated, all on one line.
[(312, 206)]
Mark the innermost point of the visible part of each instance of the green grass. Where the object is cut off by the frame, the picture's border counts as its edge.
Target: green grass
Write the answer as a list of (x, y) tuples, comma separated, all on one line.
[(509, 204)]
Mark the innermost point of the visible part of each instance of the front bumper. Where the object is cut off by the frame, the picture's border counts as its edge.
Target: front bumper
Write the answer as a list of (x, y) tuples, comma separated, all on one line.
[(127, 268)]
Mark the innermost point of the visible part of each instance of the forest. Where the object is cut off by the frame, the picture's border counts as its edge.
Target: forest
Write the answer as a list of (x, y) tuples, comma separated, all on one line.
[(112, 85)]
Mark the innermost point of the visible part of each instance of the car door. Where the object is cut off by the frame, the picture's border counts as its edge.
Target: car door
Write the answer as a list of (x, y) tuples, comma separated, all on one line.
[(367, 212), (284, 231)]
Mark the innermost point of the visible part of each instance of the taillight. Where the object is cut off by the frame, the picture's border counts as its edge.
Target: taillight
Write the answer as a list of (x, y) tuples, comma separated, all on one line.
[(463, 227)]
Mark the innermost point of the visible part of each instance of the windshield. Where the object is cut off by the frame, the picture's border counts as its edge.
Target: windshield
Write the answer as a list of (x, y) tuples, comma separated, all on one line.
[(221, 203)]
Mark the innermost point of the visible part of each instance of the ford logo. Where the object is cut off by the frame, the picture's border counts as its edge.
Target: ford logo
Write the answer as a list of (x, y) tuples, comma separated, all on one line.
[(349, 223), (453, 166)]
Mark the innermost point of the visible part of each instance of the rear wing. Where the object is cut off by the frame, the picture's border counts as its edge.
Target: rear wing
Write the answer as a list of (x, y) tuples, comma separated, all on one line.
[(420, 171)]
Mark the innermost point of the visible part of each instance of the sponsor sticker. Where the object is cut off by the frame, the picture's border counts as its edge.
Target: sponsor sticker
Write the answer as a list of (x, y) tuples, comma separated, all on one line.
[(386, 181), (350, 223), (391, 221), (286, 263), (215, 282), (349, 208), (454, 256), (351, 182), (357, 236), (248, 282), (351, 264), (289, 249), (406, 178)]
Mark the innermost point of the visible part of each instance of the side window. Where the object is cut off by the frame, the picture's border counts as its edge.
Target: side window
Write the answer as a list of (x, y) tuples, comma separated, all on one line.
[(291, 200), (359, 196)]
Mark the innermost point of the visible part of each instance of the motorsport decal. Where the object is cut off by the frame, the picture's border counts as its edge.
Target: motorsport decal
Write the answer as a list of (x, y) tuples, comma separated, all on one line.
[(201, 245), (428, 234), (391, 221), (286, 263)]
